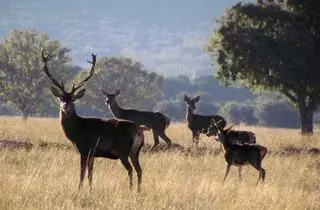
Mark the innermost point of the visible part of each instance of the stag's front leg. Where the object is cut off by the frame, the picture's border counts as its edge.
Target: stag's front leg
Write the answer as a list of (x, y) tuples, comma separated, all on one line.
[(83, 164), (90, 162), (239, 170)]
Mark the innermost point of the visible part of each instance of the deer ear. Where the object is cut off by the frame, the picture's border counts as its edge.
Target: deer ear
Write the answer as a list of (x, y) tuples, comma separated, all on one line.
[(56, 92), (186, 99), (196, 99), (79, 94), (117, 92)]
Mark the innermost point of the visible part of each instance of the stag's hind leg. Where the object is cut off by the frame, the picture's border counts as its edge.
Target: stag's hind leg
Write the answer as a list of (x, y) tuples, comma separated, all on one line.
[(262, 172), (134, 156), (126, 164)]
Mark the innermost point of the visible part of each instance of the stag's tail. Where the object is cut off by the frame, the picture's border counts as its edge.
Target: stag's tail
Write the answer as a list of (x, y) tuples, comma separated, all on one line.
[(138, 139), (263, 151)]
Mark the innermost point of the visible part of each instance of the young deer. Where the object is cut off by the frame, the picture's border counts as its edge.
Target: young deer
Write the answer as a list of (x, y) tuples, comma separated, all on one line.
[(201, 123), (95, 137), (157, 121), (241, 137), (241, 154)]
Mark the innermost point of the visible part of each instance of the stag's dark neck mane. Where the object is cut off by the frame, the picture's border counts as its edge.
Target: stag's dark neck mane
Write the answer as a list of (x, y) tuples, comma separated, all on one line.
[(69, 121), (189, 114)]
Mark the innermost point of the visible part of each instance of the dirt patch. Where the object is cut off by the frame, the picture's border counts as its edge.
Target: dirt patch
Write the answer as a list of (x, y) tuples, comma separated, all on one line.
[(13, 144), (292, 150)]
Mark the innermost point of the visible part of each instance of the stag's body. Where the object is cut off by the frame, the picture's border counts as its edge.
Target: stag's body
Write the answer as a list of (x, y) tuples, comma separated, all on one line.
[(156, 121), (242, 154), (241, 137), (95, 137), (201, 123)]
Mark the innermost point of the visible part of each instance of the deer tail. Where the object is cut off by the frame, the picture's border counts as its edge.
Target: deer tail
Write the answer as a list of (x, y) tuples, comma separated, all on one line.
[(263, 151)]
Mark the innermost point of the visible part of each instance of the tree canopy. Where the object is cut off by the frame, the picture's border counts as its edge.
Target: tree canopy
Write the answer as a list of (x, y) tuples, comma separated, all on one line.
[(273, 46), (23, 83)]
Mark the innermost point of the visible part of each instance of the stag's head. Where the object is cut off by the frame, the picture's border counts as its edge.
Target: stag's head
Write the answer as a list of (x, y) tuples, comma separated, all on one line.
[(191, 102), (110, 97), (58, 90)]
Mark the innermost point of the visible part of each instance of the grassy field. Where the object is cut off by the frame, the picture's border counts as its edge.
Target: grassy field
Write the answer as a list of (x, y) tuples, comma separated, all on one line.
[(47, 176)]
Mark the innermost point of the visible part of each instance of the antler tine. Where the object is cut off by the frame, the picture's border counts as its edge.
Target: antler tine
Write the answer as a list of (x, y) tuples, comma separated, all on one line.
[(45, 59), (93, 62)]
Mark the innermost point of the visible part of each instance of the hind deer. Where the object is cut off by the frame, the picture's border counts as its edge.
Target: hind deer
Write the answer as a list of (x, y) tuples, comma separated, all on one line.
[(241, 154), (201, 123), (156, 121), (241, 137), (95, 137)]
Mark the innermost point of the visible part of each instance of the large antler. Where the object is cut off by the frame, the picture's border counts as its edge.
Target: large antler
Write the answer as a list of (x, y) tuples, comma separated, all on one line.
[(93, 62), (45, 59)]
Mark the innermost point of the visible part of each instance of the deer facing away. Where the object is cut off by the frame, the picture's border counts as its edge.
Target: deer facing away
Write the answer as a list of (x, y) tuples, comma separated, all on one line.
[(156, 121), (201, 123), (95, 137), (241, 154)]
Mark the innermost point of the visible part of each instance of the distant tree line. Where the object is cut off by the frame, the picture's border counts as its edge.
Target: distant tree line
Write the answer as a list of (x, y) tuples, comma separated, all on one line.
[(24, 88)]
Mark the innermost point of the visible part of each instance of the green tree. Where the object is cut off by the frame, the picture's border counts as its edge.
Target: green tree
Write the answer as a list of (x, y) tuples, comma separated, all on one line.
[(272, 46), (139, 88), (23, 84)]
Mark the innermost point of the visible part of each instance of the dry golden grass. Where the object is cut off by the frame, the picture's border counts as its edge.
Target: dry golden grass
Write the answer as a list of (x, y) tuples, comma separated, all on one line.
[(47, 177)]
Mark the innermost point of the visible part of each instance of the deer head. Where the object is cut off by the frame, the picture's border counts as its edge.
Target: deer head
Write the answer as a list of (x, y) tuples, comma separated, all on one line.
[(191, 102), (111, 97), (58, 90), (221, 134)]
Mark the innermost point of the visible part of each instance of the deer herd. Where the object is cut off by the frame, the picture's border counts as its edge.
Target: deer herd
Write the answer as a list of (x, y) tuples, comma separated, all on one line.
[(122, 137)]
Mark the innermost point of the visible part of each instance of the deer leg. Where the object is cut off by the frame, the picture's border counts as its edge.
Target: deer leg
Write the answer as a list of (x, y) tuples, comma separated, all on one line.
[(135, 161), (227, 172), (197, 138), (165, 138), (239, 170), (126, 164), (90, 169), (156, 138), (194, 134), (83, 163), (262, 172)]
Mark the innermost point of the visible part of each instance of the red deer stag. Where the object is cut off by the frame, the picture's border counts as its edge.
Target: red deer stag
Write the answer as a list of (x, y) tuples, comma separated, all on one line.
[(201, 123), (95, 137), (157, 121), (241, 137), (241, 154)]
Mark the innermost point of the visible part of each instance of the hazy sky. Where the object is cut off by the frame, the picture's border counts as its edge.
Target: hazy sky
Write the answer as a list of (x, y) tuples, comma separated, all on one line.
[(167, 36)]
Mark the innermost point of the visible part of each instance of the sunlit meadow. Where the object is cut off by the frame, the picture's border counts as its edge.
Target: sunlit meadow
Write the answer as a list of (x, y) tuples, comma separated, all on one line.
[(47, 176)]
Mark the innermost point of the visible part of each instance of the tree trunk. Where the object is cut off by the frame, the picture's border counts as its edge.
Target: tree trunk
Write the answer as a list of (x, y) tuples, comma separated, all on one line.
[(306, 119)]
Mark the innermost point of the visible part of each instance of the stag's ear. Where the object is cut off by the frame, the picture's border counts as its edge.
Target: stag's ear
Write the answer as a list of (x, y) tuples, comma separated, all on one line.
[(79, 94), (196, 99), (56, 92), (117, 92)]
